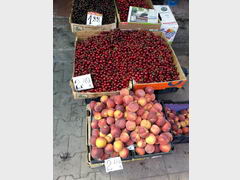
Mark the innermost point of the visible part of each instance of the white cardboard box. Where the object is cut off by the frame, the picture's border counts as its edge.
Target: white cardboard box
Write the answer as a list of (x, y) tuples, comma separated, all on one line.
[(169, 24)]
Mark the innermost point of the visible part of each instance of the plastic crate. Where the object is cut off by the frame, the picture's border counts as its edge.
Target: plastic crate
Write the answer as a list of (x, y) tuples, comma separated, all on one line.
[(177, 106), (133, 156)]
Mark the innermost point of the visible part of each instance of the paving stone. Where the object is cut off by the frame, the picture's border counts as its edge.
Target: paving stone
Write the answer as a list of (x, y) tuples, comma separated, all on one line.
[(164, 177), (62, 99), (70, 166), (140, 169), (69, 128), (184, 61), (58, 76), (91, 176), (180, 48), (64, 56), (179, 176), (77, 145), (80, 102), (59, 21), (85, 169), (55, 122), (84, 128), (58, 66), (62, 87), (62, 38), (60, 145), (181, 10), (61, 178), (182, 35), (62, 112), (67, 75), (77, 112), (179, 160), (102, 175)]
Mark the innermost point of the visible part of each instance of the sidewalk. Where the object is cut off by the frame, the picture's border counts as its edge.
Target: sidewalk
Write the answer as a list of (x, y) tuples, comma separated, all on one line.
[(69, 123)]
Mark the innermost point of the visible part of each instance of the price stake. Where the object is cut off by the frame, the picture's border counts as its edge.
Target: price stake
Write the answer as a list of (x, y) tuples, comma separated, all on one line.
[(94, 19), (83, 82), (113, 164)]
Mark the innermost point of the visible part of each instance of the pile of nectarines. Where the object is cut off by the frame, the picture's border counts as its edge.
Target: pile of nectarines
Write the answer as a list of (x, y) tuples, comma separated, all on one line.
[(179, 121), (126, 119)]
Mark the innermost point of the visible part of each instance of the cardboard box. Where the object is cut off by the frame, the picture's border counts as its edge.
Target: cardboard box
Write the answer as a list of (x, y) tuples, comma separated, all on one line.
[(132, 84), (83, 35), (169, 25), (169, 84), (137, 26), (83, 27)]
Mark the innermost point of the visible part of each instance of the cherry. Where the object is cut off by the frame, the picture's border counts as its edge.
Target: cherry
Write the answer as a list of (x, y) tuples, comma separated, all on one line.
[(115, 57)]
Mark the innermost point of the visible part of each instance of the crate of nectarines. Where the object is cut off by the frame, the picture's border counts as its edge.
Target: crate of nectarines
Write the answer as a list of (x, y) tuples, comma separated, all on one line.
[(130, 125), (177, 114)]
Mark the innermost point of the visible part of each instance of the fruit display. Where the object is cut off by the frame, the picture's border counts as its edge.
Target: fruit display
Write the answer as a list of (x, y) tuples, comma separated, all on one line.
[(82, 7), (129, 118), (123, 7), (179, 119), (113, 58)]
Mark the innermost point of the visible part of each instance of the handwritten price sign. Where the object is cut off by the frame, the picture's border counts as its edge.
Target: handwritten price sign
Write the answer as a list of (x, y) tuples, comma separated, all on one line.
[(94, 19), (83, 82), (113, 164)]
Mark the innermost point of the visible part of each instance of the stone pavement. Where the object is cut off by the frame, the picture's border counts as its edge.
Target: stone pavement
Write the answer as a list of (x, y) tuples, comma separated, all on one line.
[(69, 123)]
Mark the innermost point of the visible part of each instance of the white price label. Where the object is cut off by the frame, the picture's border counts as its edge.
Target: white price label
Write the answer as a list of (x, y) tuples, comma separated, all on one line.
[(94, 19), (113, 164), (83, 82), (131, 147)]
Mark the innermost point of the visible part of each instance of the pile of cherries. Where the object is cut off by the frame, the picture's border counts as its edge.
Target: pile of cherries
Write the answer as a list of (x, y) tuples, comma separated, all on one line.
[(104, 7), (115, 57), (123, 7)]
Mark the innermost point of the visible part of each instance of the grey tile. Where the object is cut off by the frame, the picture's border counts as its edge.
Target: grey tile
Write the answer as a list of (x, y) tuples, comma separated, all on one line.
[(60, 145), (85, 169), (59, 22), (164, 177), (62, 112), (179, 176), (102, 176), (178, 161), (140, 169), (62, 38), (67, 167), (69, 128), (65, 56), (77, 145)]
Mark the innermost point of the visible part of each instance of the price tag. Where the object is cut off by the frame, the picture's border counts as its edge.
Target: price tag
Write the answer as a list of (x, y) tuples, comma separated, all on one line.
[(83, 82), (113, 164), (131, 147), (94, 19)]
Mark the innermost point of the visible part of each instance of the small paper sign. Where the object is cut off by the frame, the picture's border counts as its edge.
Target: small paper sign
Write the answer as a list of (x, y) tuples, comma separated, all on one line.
[(113, 164), (94, 19), (83, 82), (131, 147)]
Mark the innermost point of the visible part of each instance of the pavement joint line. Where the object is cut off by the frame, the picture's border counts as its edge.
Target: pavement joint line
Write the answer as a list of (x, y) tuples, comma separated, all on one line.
[(55, 133), (63, 61), (60, 177), (152, 176), (72, 121), (165, 165), (75, 135), (60, 17), (63, 49), (68, 144)]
